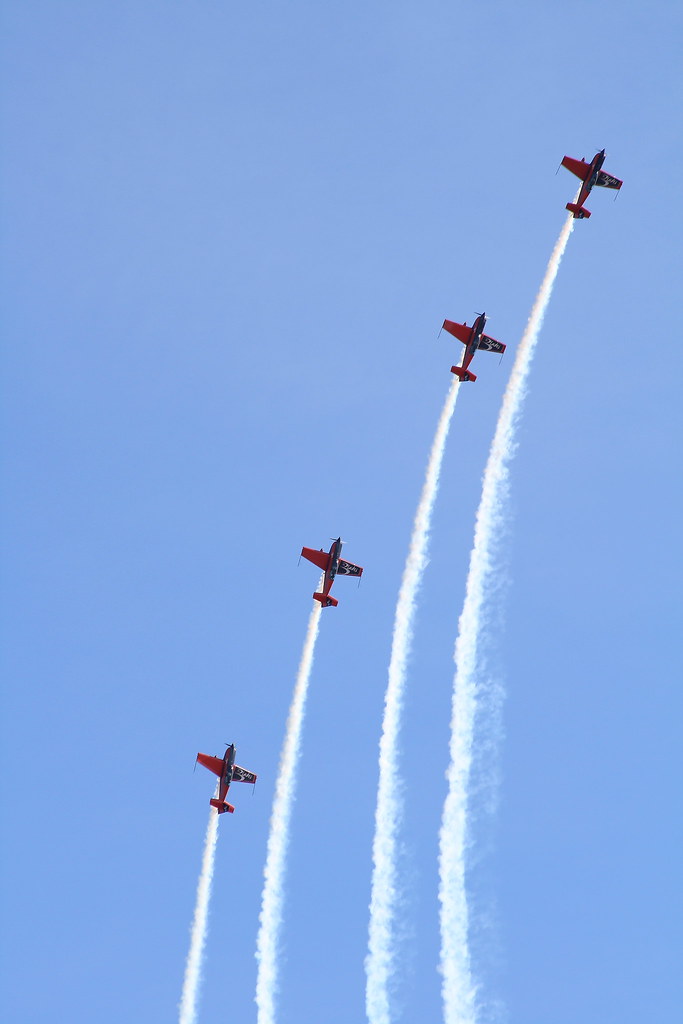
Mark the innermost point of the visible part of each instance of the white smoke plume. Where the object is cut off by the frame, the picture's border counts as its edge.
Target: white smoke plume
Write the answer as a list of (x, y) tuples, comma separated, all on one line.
[(193, 967), (459, 990), (380, 961), (272, 897)]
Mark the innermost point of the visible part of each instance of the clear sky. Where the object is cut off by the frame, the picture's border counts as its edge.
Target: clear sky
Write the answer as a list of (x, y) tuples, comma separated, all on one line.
[(230, 233)]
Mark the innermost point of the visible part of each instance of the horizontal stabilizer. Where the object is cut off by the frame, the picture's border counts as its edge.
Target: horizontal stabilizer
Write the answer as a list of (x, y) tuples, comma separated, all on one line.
[(221, 806), (326, 601), (319, 558), (214, 764), (580, 212), (460, 331), (242, 775), (463, 374)]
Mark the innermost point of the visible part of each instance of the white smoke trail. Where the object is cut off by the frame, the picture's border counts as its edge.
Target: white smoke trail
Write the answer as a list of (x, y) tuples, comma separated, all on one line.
[(458, 988), (379, 964), (272, 897), (193, 967)]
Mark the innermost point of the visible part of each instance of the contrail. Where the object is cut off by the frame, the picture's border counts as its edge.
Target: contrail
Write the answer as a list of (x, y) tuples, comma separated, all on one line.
[(272, 897), (379, 963), (193, 967), (458, 988)]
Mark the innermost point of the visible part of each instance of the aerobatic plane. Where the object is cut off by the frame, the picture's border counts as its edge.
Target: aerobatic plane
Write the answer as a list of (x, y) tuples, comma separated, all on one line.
[(227, 772), (591, 174), (332, 565), (473, 338)]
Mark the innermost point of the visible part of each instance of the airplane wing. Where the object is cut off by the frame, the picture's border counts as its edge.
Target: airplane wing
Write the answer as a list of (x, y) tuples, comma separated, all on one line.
[(345, 568), (608, 181), (460, 331), (319, 558), (578, 167), (214, 764), (242, 775), (487, 344)]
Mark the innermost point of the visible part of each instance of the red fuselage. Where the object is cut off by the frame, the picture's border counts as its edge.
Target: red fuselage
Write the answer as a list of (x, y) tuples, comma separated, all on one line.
[(475, 337), (587, 187), (331, 571), (226, 774)]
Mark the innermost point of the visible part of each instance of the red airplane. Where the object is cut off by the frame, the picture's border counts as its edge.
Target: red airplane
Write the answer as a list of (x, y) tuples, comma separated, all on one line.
[(590, 174), (473, 338), (227, 772), (332, 565)]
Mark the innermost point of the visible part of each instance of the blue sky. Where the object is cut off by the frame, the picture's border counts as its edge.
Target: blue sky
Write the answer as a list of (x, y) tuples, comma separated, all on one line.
[(230, 235)]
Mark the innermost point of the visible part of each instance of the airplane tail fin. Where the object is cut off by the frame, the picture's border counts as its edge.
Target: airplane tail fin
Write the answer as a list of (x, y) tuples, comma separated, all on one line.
[(221, 806), (579, 211), (463, 374), (325, 600)]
